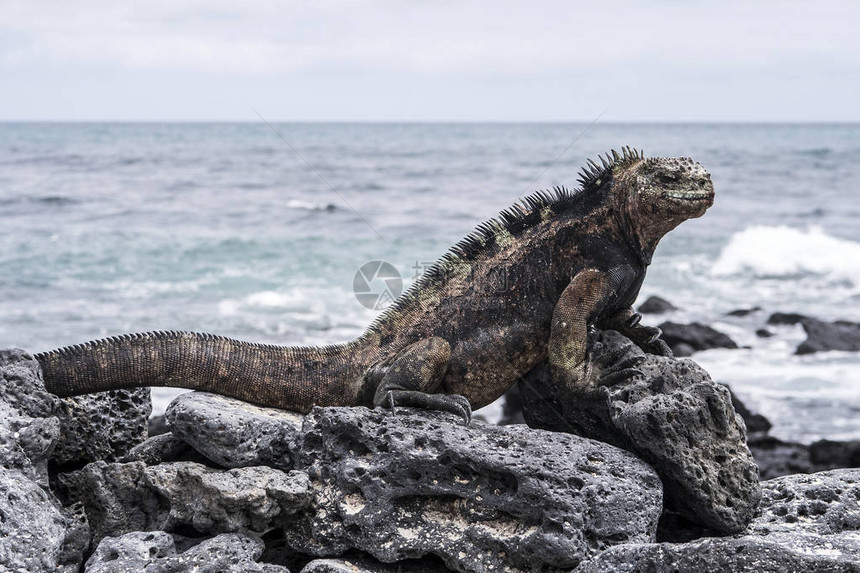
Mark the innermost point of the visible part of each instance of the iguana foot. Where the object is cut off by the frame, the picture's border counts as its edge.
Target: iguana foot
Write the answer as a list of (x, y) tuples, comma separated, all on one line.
[(645, 337), (648, 339), (414, 376), (615, 364), (453, 403)]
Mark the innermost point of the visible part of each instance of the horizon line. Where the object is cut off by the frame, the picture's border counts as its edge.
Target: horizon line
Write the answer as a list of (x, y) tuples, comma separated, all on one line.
[(437, 121)]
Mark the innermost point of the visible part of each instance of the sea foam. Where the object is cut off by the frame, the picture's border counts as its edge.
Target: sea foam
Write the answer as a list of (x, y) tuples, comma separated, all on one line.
[(785, 252)]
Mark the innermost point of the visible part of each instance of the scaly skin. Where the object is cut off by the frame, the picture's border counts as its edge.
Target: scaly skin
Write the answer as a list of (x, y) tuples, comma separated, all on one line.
[(520, 289)]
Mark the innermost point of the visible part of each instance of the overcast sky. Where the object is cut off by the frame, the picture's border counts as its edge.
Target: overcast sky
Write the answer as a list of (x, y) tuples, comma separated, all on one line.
[(370, 60)]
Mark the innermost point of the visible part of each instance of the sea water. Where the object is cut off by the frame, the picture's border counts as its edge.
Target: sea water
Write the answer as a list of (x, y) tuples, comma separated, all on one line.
[(256, 231)]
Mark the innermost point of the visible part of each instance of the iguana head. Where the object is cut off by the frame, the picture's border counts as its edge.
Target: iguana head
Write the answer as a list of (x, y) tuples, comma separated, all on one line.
[(661, 192)]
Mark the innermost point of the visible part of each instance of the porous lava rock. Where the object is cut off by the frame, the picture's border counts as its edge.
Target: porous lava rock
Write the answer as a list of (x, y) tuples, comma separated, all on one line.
[(156, 552), (668, 412), (36, 533), (101, 426), (124, 497), (366, 564), (711, 555), (480, 497), (808, 523), (160, 449), (813, 513), (233, 433)]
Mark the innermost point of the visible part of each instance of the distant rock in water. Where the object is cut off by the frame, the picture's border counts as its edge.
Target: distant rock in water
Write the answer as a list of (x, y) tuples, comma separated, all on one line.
[(512, 407), (775, 457), (829, 453), (785, 318), (822, 336), (656, 305), (685, 339), (741, 312), (755, 422)]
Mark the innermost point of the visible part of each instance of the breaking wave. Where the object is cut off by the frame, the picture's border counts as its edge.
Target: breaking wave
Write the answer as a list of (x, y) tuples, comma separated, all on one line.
[(786, 252)]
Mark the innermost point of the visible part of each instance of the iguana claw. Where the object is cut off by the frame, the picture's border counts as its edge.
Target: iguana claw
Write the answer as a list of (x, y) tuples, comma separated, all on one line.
[(453, 403)]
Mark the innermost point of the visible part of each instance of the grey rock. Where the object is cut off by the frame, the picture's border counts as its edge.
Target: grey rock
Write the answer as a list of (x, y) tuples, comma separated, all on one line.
[(656, 305), (156, 552), (834, 454), (743, 555), (786, 318), (814, 513), (159, 449), (512, 407), (694, 335), (36, 534), (28, 428), (822, 336), (21, 385), (121, 498), (668, 412), (482, 498), (233, 433), (742, 312), (775, 457), (26, 443), (365, 564), (102, 426), (806, 523), (157, 425), (755, 422)]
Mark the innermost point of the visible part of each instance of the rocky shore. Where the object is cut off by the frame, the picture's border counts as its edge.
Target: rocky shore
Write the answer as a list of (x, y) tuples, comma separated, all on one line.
[(652, 472)]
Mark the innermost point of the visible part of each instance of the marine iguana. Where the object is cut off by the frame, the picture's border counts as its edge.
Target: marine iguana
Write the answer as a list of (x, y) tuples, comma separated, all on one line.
[(521, 288)]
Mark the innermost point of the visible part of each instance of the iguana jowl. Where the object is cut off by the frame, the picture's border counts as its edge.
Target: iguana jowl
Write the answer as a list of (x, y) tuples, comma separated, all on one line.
[(521, 288)]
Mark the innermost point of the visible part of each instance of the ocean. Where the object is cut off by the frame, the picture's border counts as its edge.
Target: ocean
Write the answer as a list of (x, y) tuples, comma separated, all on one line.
[(257, 232)]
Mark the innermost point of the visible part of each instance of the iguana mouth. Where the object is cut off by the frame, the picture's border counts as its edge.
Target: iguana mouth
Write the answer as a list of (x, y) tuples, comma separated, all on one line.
[(689, 196)]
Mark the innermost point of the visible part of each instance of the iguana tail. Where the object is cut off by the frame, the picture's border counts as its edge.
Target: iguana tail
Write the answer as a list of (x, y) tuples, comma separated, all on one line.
[(285, 377)]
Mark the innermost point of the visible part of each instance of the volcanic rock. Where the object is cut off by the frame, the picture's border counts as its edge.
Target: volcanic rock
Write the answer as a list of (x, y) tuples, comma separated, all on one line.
[(671, 414), (124, 497), (684, 339), (233, 433), (481, 497), (156, 552), (656, 305), (101, 426)]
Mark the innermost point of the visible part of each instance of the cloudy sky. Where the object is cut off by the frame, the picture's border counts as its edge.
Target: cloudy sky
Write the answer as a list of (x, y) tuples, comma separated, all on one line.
[(371, 60)]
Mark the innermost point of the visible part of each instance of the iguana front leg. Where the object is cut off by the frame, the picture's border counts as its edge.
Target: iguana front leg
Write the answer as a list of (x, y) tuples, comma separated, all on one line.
[(645, 337), (412, 377), (577, 306)]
